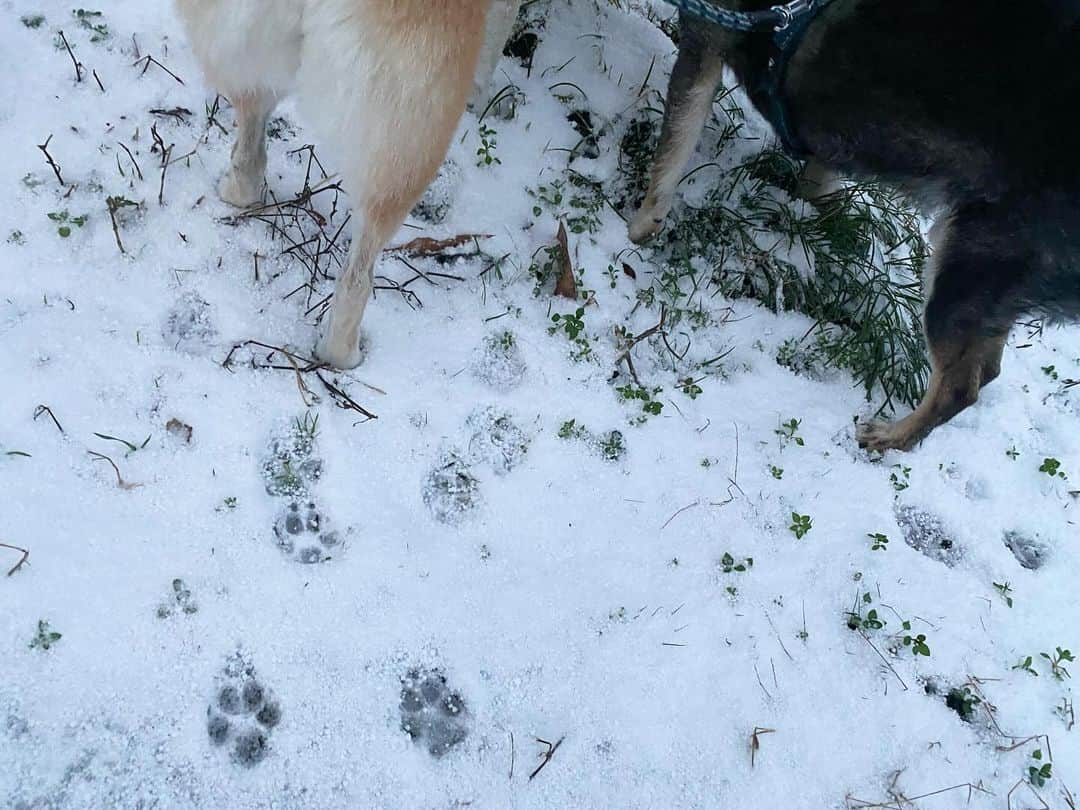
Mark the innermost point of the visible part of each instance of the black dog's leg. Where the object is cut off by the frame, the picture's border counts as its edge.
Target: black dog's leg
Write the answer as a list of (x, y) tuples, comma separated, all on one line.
[(972, 306), (698, 72)]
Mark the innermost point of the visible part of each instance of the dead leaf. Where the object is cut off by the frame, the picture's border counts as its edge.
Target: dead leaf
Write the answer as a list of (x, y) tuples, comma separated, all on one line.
[(179, 430), (426, 246), (566, 286), (629, 271)]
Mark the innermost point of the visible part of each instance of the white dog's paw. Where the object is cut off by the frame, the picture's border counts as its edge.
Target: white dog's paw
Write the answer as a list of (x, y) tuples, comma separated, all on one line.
[(645, 225), (240, 190), (339, 355)]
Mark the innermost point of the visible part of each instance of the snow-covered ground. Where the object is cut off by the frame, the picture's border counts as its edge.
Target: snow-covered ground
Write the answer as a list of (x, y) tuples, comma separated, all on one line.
[(492, 576)]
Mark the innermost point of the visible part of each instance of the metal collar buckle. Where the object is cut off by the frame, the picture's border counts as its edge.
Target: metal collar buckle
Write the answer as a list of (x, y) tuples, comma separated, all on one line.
[(789, 11)]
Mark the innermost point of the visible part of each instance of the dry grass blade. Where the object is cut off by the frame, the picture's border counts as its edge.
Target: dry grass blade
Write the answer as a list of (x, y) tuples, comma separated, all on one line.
[(120, 482)]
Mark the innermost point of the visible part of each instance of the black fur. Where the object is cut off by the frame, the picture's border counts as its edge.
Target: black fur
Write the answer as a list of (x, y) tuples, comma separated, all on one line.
[(970, 105)]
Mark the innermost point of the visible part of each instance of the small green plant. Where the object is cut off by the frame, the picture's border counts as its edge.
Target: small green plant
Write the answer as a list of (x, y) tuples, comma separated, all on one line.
[(917, 643), (45, 637), (1025, 665), (633, 393), (789, 432), (1052, 467), (1050, 372), (1040, 772), (572, 325), (33, 20), (486, 153), (800, 525), (92, 21), (1057, 662), (305, 432), (1013, 453), (900, 478), (729, 565), (879, 542), (229, 504), (776, 472), (609, 445), (1005, 590), (64, 220), (690, 387), (868, 622), (16, 238)]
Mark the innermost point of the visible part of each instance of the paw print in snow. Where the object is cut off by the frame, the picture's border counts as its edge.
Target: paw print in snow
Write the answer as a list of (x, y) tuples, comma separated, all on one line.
[(431, 713), (242, 714), (926, 533), (188, 326), (496, 440), (451, 491), (498, 362), (180, 600), (303, 532), (292, 467)]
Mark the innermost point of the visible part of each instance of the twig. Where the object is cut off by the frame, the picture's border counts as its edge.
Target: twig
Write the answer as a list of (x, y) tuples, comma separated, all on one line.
[(150, 60), (22, 560), (42, 409), (892, 669), (134, 162), (755, 741), (44, 147), (425, 246), (648, 333), (859, 804), (546, 755), (74, 61), (1023, 783), (512, 756)]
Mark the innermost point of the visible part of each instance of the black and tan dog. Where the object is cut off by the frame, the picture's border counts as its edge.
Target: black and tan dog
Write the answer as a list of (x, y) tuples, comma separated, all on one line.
[(971, 106)]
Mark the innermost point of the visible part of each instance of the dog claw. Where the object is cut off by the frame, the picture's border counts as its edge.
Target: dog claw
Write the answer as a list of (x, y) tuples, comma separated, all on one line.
[(880, 436), (644, 227)]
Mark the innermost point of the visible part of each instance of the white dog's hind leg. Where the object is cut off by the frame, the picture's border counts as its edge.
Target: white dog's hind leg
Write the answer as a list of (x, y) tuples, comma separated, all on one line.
[(405, 71), (501, 17), (242, 184)]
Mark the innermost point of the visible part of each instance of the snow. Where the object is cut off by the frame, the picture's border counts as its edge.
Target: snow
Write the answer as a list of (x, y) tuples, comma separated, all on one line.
[(568, 597)]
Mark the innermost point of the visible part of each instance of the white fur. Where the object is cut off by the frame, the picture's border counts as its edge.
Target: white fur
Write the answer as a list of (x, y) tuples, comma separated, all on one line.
[(381, 83)]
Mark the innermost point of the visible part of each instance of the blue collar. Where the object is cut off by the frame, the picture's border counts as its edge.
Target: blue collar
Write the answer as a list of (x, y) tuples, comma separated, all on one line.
[(788, 24)]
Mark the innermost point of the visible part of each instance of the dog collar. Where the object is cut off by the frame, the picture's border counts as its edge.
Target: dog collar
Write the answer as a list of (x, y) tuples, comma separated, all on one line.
[(788, 24)]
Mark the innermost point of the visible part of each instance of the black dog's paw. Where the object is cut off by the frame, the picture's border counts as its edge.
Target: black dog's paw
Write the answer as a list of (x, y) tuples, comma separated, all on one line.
[(431, 713), (304, 533)]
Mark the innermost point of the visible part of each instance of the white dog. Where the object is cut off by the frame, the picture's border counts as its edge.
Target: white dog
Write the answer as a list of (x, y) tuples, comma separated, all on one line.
[(386, 81)]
